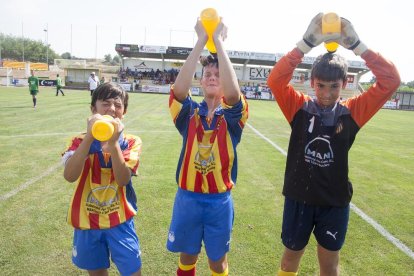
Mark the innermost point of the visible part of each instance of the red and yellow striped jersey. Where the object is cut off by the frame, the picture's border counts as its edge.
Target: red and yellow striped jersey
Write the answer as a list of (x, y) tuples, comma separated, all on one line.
[(98, 202), (208, 159)]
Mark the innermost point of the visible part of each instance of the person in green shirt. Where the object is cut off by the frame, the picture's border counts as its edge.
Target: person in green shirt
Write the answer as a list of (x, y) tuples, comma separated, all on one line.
[(59, 85), (33, 87)]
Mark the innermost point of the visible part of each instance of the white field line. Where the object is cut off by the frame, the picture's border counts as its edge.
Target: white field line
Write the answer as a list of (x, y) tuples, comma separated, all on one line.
[(76, 133), (353, 207), (358, 211), (49, 170), (383, 232), (30, 182)]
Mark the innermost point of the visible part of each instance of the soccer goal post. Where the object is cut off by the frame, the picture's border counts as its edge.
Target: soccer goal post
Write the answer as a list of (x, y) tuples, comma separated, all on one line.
[(6, 75)]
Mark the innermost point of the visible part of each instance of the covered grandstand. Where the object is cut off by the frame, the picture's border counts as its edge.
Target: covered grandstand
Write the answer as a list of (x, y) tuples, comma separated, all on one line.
[(252, 68)]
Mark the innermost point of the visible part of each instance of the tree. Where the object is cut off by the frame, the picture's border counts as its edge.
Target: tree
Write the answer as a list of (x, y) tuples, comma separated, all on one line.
[(116, 60), (66, 55), (108, 57), (25, 49), (410, 84)]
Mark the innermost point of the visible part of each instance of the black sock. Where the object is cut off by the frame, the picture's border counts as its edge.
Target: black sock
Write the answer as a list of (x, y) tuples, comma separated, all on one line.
[(34, 101)]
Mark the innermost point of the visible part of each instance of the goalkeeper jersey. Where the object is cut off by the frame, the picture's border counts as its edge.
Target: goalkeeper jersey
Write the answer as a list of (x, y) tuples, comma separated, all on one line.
[(317, 160)]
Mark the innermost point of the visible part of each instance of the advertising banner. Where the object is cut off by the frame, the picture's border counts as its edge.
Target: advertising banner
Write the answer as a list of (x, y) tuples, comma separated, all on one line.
[(257, 73), (179, 51), (47, 82), (152, 49), (14, 64), (39, 66), (130, 48), (156, 89), (127, 86)]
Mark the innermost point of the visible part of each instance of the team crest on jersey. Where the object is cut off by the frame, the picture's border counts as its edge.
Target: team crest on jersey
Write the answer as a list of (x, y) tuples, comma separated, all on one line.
[(103, 200), (204, 161), (319, 152)]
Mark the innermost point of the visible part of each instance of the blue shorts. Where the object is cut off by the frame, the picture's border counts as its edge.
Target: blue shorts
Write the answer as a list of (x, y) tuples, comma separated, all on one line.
[(201, 218), (329, 225), (92, 248)]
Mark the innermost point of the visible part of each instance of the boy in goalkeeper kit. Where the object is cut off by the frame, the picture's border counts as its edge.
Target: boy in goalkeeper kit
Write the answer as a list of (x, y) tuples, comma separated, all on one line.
[(317, 189)]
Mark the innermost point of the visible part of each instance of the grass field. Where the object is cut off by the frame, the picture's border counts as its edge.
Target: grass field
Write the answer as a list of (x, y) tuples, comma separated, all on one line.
[(34, 197)]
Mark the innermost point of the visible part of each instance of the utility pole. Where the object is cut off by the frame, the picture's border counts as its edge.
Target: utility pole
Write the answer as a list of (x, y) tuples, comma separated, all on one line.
[(47, 44), (96, 43), (71, 41), (23, 41)]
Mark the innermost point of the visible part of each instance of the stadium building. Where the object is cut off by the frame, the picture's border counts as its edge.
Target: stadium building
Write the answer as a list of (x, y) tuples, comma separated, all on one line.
[(151, 69)]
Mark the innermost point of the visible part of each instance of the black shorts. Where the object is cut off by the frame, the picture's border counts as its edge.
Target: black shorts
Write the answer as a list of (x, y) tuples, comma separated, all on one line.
[(329, 225)]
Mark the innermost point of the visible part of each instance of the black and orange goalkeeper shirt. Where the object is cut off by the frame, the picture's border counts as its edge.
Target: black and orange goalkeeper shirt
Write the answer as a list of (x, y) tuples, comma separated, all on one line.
[(317, 160)]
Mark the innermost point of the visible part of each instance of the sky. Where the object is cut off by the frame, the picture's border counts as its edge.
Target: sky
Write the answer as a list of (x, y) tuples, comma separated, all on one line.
[(90, 29)]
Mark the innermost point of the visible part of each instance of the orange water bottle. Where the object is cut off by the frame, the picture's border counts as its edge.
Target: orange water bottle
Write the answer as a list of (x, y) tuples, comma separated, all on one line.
[(331, 23), (103, 129), (210, 19)]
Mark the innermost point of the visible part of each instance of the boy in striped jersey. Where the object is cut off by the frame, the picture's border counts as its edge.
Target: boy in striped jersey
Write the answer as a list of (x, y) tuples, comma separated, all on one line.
[(104, 202), (207, 166)]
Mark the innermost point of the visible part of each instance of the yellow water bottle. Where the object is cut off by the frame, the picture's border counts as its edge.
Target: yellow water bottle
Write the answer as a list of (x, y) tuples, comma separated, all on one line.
[(103, 130), (210, 19), (331, 23)]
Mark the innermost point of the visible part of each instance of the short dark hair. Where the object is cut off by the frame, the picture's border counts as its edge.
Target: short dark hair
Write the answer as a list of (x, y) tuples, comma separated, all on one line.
[(329, 67), (208, 61), (110, 90)]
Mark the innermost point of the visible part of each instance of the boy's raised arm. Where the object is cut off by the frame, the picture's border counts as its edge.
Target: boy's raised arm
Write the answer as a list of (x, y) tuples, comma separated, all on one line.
[(227, 75), (185, 76)]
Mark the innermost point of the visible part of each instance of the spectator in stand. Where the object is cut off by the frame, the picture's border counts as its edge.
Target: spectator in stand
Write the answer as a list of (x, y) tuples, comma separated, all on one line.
[(93, 82), (259, 91), (243, 89), (317, 189)]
